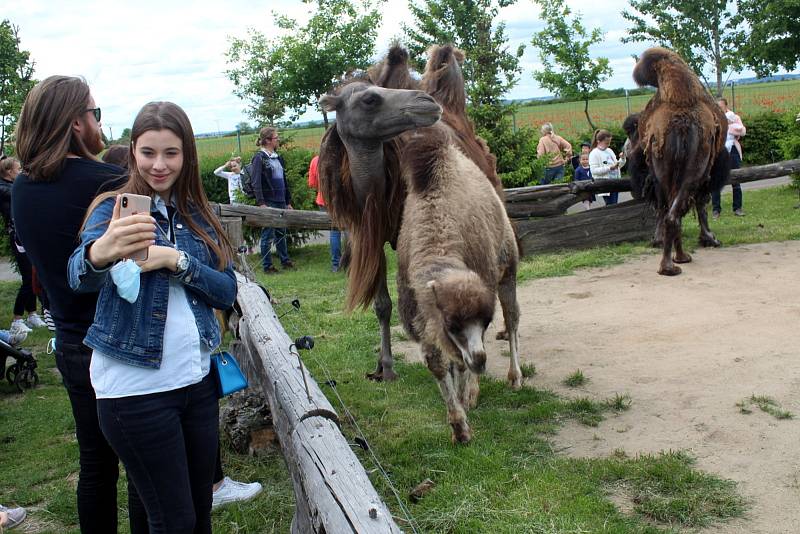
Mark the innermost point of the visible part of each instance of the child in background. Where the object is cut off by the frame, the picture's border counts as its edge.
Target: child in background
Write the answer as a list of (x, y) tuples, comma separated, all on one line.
[(234, 177), (583, 173), (603, 162)]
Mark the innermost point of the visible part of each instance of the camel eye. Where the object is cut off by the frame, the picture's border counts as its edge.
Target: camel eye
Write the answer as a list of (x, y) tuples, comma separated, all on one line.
[(371, 99)]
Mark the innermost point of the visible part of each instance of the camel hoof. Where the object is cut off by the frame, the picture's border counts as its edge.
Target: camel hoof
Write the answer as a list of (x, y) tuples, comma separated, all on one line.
[(502, 335), (656, 243), (461, 433), (670, 271), (709, 242), (514, 380), (380, 376), (686, 258)]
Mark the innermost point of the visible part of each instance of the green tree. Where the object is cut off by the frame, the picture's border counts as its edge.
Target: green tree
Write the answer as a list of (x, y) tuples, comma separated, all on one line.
[(774, 38), (16, 79), (293, 71), (245, 128), (490, 71), (703, 32), (563, 46)]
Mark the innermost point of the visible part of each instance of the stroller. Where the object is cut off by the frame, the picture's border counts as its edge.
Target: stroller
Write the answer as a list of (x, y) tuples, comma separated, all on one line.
[(22, 373)]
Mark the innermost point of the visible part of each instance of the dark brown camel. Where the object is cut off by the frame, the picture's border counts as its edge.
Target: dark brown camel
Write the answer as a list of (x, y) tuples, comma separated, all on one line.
[(360, 178), (457, 251), (678, 150)]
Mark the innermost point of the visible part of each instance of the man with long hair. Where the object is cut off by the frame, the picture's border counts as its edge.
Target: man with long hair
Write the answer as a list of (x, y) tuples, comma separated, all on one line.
[(58, 139)]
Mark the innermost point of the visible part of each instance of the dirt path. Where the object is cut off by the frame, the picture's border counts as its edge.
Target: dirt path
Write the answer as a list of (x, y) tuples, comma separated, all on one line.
[(686, 349)]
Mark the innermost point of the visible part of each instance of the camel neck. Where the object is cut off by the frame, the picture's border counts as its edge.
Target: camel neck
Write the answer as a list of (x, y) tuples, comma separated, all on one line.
[(367, 169)]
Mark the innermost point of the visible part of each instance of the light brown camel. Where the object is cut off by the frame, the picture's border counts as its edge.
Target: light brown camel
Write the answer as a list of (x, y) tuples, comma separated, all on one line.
[(456, 250), (679, 144), (360, 178)]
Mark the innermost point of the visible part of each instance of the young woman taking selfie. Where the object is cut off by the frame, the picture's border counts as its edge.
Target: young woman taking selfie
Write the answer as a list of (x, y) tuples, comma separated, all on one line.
[(154, 330)]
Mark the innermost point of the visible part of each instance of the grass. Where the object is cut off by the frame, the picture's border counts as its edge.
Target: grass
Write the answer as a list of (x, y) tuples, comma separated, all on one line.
[(765, 404), (575, 379), (508, 479)]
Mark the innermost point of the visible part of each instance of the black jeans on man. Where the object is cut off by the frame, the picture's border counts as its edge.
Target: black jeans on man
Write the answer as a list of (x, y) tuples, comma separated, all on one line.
[(26, 298), (168, 443), (99, 466), (716, 201)]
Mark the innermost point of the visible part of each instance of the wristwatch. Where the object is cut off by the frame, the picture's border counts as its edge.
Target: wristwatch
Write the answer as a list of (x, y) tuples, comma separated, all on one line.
[(183, 262)]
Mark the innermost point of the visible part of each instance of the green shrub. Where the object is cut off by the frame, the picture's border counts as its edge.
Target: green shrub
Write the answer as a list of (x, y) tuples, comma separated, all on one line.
[(762, 144)]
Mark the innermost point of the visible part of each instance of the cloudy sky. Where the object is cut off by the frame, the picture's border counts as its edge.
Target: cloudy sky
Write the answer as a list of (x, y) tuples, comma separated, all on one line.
[(135, 52)]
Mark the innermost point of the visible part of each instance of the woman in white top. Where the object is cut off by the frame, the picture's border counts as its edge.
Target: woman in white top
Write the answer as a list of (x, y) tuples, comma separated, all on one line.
[(234, 177), (603, 162)]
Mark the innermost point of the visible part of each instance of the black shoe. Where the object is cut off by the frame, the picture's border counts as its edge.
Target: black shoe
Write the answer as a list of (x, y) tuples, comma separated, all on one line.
[(270, 270), (288, 265), (715, 215)]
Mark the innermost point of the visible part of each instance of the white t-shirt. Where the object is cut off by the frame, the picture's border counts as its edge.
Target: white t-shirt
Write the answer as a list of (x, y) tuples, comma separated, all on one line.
[(600, 161), (234, 182)]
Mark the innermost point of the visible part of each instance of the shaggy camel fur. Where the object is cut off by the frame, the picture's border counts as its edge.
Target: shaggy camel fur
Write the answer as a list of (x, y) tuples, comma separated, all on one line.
[(456, 250), (360, 178), (680, 144)]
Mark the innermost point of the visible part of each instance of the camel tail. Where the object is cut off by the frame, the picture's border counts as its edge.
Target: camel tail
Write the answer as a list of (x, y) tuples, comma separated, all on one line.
[(667, 71)]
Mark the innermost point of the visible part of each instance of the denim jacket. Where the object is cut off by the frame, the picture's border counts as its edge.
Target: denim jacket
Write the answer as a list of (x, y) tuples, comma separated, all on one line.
[(134, 332)]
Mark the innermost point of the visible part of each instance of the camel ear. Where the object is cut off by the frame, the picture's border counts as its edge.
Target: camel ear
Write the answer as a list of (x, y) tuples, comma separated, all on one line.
[(329, 102)]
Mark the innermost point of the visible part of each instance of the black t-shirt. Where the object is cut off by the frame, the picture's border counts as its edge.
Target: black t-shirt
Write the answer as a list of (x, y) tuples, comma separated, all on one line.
[(47, 218)]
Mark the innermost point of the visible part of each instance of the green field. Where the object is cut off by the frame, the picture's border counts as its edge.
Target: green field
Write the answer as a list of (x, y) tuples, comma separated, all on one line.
[(567, 117)]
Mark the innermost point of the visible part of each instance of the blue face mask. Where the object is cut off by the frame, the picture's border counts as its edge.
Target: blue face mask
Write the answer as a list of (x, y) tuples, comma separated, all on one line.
[(125, 275)]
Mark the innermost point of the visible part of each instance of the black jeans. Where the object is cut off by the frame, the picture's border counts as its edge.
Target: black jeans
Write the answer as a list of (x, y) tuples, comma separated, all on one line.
[(26, 299), (99, 466), (716, 201), (168, 443)]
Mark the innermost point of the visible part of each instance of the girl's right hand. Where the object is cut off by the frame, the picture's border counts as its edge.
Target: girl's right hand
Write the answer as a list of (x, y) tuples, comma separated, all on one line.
[(123, 237)]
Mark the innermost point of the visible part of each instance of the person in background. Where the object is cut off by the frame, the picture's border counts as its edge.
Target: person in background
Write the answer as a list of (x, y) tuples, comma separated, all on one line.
[(232, 171), (11, 517), (26, 298), (151, 361), (603, 162), (557, 149), (576, 159), (58, 139), (736, 130), (336, 234), (272, 189), (584, 173), (117, 155)]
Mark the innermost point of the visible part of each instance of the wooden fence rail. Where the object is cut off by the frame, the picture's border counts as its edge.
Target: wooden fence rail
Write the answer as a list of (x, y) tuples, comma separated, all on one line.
[(332, 490)]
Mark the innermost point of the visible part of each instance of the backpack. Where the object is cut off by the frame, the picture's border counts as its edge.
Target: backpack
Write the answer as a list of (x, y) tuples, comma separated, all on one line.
[(246, 182)]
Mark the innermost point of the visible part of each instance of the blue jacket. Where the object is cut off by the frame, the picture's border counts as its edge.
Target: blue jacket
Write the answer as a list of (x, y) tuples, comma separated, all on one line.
[(134, 332), (266, 188)]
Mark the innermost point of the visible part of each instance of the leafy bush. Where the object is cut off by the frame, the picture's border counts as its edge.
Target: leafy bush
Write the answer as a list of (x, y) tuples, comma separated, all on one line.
[(762, 144)]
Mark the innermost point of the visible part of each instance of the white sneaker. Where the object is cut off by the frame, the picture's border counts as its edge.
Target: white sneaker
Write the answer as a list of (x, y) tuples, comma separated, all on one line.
[(18, 325), (233, 491), (16, 337), (34, 321)]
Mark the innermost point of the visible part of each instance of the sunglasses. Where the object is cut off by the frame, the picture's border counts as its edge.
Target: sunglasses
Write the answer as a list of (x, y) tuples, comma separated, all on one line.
[(95, 112)]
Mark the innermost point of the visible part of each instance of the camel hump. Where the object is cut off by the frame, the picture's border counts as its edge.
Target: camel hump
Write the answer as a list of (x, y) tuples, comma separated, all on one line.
[(443, 79), (393, 72), (666, 70)]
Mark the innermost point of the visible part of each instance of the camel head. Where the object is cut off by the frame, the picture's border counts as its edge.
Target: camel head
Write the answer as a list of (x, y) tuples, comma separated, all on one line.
[(366, 112), (466, 306)]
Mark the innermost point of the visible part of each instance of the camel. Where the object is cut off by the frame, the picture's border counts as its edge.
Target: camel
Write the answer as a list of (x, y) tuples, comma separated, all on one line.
[(457, 251), (360, 178), (677, 151)]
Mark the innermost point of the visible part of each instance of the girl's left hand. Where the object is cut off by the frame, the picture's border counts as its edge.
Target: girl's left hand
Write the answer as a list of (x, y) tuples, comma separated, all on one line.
[(160, 257)]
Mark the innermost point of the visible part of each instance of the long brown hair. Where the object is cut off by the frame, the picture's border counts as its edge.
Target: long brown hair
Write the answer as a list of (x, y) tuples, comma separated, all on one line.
[(44, 132), (190, 197)]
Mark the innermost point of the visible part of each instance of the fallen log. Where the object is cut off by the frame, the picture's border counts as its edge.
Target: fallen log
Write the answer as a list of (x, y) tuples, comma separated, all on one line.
[(332, 490)]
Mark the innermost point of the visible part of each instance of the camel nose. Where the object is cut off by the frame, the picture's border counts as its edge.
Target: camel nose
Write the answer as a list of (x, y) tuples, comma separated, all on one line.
[(478, 362)]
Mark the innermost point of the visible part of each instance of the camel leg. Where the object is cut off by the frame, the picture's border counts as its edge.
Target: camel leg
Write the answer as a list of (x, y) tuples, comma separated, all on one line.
[(383, 310), (672, 233), (681, 256), (445, 377), (658, 234), (467, 385), (507, 293), (707, 238)]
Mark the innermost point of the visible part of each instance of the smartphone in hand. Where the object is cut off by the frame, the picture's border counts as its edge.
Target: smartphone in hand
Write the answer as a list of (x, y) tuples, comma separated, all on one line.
[(131, 204)]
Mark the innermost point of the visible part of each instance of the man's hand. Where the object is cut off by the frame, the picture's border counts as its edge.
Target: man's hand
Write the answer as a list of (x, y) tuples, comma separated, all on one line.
[(123, 237), (160, 257)]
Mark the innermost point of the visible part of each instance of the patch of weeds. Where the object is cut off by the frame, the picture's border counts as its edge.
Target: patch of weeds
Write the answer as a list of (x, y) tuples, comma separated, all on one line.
[(666, 488), (619, 403), (587, 411), (765, 404), (575, 379), (528, 370), (505, 353)]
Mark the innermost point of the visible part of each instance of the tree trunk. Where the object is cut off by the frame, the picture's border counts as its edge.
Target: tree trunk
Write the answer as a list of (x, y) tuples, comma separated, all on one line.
[(586, 112), (718, 61)]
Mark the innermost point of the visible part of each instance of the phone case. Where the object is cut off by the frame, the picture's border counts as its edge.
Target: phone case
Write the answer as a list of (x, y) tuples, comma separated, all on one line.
[(130, 205)]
